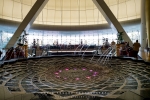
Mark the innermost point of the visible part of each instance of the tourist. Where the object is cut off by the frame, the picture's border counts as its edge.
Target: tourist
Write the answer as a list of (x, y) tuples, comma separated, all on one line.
[(136, 47)]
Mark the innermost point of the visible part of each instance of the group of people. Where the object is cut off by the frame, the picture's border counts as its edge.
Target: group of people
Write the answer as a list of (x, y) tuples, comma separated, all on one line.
[(127, 50), (14, 53), (106, 45)]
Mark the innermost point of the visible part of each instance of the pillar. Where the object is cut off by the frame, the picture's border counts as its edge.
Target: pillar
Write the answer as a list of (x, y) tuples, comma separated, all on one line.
[(147, 7), (143, 26)]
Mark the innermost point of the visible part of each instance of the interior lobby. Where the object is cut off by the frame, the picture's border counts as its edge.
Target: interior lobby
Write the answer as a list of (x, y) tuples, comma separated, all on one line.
[(74, 49)]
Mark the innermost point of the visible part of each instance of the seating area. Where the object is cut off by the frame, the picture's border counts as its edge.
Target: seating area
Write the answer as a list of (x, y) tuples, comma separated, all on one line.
[(70, 76)]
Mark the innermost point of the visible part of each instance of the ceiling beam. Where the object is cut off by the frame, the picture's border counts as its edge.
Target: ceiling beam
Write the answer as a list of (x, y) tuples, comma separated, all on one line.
[(27, 21), (111, 19)]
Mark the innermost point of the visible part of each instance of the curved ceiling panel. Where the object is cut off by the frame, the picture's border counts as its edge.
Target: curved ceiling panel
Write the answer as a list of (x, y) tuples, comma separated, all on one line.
[(70, 12)]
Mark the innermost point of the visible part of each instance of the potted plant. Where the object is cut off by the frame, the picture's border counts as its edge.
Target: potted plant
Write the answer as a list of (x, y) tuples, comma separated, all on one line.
[(119, 37), (119, 41)]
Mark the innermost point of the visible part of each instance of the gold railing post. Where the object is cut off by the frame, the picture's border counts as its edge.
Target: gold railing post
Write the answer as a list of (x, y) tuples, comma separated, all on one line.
[(26, 50), (118, 49)]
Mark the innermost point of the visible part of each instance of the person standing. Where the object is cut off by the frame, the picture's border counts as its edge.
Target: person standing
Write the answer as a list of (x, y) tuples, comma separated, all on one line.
[(0, 53), (136, 47), (34, 47), (113, 44)]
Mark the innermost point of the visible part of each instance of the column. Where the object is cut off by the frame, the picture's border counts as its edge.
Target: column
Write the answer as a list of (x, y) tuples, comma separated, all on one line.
[(147, 10), (143, 26)]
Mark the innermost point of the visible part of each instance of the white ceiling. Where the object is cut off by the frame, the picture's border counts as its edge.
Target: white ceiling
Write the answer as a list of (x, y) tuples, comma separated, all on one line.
[(70, 12)]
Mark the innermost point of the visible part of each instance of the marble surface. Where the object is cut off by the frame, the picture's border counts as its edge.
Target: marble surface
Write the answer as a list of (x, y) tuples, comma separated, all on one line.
[(67, 77)]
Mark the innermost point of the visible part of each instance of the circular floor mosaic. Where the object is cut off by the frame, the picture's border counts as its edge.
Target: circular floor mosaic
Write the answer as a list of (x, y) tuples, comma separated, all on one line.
[(67, 77), (77, 72)]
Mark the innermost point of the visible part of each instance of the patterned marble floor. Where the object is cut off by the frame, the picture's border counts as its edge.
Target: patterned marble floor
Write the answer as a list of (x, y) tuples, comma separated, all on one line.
[(69, 77)]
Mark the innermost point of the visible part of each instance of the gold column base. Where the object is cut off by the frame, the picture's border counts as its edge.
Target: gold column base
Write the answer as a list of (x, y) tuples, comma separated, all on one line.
[(26, 50), (118, 49)]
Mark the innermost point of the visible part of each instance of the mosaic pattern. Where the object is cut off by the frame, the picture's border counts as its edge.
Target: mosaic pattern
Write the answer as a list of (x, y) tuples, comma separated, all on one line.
[(67, 77)]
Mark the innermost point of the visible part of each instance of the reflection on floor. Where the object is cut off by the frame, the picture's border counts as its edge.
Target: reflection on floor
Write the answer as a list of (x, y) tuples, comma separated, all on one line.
[(143, 54), (71, 77)]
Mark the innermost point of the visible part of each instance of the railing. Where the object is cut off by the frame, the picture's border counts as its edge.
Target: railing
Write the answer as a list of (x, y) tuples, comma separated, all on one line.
[(51, 50)]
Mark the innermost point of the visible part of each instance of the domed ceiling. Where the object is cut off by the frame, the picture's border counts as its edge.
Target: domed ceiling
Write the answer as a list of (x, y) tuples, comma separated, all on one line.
[(70, 12)]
